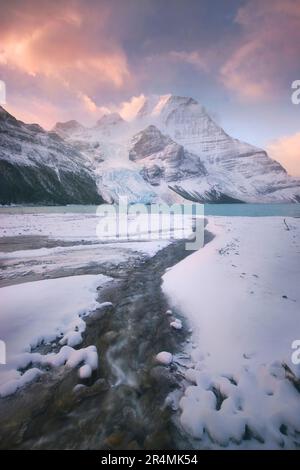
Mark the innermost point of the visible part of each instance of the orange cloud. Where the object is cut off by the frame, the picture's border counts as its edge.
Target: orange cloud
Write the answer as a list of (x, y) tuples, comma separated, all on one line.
[(287, 151), (63, 47), (129, 109), (92, 107), (267, 50), (57, 49), (38, 108)]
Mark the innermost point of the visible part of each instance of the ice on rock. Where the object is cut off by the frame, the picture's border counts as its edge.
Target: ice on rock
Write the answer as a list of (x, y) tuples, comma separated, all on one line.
[(11, 386), (118, 182), (88, 355), (164, 357), (72, 338), (191, 376), (176, 324), (105, 305), (85, 371), (64, 302)]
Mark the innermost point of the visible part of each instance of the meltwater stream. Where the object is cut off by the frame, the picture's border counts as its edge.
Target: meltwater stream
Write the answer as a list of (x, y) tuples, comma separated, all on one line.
[(123, 405)]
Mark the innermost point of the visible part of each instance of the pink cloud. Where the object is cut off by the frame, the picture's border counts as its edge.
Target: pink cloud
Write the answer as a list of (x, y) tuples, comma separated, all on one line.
[(61, 46), (286, 150), (266, 51), (129, 109)]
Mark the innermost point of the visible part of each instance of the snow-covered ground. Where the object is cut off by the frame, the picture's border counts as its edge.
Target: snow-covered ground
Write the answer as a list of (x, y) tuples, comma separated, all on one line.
[(240, 295), (98, 227), (44, 312), (48, 262), (52, 310), (64, 226)]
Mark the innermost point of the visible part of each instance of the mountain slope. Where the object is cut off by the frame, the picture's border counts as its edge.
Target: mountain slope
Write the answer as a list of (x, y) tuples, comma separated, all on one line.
[(39, 167), (235, 169), (162, 159), (66, 129), (177, 148), (171, 151)]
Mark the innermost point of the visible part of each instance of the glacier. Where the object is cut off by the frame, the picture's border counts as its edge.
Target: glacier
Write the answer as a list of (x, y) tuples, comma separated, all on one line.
[(171, 151)]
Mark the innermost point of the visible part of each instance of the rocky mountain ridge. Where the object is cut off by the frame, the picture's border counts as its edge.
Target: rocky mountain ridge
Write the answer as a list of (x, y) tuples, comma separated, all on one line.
[(171, 151)]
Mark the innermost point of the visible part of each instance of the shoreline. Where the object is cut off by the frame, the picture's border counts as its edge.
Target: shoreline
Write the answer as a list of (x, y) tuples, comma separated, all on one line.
[(146, 385), (120, 384), (244, 313)]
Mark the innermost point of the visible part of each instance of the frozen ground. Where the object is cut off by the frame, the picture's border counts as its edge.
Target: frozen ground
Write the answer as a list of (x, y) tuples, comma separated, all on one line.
[(86, 227), (42, 246), (47, 312), (240, 295), (45, 292), (66, 226), (44, 263)]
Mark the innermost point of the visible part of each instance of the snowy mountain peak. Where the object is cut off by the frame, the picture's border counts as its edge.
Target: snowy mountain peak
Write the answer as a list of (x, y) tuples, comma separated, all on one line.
[(66, 129), (172, 146), (37, 166), (110, 119), (175, 100), (2, 111), (152, 105), (6, 117), (155, 106), (148, 142), (161, 159)]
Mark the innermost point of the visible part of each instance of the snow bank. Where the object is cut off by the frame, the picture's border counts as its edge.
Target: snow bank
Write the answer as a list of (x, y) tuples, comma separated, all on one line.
[(149, 248), (176, 324), (49, 261), (39, 312), (240, 294)]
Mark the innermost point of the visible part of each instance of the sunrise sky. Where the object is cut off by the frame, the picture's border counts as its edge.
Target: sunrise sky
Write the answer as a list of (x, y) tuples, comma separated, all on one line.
[(77, 59)]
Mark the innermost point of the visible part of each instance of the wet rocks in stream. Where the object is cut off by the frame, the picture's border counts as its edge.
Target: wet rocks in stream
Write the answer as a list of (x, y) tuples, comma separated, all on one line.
[(122, 406)]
